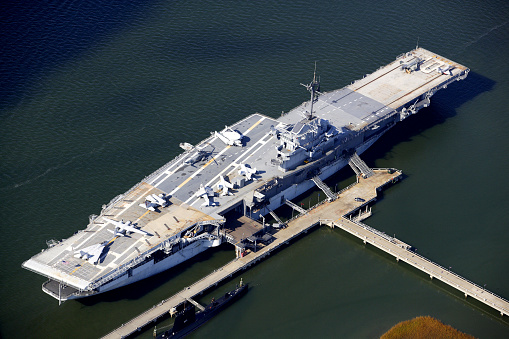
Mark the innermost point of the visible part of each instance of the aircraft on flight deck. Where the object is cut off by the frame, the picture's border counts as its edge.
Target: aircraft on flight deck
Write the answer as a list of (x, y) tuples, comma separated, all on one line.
[(91, 253), (224, 185), (198, 156), (208, 194), (246, 171), (122, 226), (153, 201), (229, 136)]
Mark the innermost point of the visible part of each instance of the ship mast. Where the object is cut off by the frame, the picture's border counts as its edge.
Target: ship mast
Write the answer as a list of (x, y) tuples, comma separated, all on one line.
[(313, 88)]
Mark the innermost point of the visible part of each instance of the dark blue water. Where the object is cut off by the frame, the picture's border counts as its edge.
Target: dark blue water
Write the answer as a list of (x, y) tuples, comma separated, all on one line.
[(96, 95)]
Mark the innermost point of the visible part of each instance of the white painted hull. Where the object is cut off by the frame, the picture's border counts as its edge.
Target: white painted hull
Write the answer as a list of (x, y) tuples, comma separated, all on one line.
[(149, 269)]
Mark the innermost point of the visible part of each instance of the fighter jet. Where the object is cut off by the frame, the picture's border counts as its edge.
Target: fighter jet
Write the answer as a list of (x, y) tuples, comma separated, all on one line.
[(207, 193), (151, 206), (126, 227), (246, 171), (204, 191), (224, 186), (91, 253), (153, 201), (229, 136), (161, 199), (445, 70)]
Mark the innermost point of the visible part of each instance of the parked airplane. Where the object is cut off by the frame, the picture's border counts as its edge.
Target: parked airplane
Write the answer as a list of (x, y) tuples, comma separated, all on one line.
[(161, 199), (224, 185), (198, 156), (153, 201), (246, 171), (126, 226), (445, 70), (151, 206), (229, 136), (91, 253), (206, 193)]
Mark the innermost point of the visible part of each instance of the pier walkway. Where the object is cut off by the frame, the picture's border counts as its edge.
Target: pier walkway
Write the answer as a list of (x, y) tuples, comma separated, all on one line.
[(401, 251), (350, 200), (346, 203)]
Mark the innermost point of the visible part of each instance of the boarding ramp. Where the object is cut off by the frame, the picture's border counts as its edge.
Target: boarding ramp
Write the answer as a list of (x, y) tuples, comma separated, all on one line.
[(274, 215), (295, 207), (321, 185), (360, 166)]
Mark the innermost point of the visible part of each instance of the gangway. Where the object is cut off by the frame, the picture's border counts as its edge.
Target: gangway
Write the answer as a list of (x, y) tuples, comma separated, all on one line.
[(274, 215), (321, 185), (357, 165), (295, 207), (195, 303)]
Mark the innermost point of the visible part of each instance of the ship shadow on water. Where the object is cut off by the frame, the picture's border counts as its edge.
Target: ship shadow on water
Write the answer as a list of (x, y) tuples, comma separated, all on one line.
[(183, 274), (444, 105)]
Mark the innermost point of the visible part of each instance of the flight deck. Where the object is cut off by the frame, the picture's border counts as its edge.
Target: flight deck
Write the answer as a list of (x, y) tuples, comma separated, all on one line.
[(252, 166)]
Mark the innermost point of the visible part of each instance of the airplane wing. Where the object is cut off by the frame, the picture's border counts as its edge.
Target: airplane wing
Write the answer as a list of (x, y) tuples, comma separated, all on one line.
[(121, 225), (149, 205), (152, 198), (201, 192), (129, 228), (225, 191), (91, 253), (160, 200), (223, 138), (247, 171)]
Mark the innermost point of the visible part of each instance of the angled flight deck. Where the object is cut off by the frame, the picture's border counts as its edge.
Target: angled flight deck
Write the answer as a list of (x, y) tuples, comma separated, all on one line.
[(253, 167)]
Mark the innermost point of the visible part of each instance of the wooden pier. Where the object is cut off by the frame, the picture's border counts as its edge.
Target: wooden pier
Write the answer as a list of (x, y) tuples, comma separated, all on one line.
[(350, 201)]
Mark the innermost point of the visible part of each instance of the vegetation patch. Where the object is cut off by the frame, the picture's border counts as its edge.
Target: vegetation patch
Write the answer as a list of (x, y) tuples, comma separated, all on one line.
[(424, 327)]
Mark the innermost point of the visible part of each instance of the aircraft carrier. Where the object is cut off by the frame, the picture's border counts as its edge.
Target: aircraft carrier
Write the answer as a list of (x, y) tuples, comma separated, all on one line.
[(248, 169)]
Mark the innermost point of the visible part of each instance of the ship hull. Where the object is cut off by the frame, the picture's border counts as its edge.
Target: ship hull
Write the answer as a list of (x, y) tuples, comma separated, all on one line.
[(267, 163), (144, 271)]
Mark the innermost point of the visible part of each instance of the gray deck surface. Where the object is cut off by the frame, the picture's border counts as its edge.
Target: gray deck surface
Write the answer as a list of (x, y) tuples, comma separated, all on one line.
[(355, 106)]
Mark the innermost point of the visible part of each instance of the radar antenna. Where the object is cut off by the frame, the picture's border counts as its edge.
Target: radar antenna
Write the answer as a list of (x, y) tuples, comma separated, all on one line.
[(313, 88)]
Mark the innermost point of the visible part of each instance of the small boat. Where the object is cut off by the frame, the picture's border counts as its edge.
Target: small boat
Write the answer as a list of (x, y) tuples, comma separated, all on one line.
[(188, 320)]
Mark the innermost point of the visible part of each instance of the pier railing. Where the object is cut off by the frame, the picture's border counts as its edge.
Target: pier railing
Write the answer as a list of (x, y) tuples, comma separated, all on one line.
[(432, 273), (460, 277)]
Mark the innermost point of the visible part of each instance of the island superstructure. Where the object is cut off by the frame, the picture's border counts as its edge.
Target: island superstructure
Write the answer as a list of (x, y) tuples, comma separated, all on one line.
[(251, 167)]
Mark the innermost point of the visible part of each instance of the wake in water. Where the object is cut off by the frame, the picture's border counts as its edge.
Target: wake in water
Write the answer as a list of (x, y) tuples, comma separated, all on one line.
[(470, 43), (51, 169)]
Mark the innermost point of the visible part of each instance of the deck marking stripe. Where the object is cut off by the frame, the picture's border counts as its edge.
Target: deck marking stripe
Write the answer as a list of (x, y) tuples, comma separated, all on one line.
[(212, 160), (179, 163), (260, 143), (144, 214), (202, 168), (77, 268)]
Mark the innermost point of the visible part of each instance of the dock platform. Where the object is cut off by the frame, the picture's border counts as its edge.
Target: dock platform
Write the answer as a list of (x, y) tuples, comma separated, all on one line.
[(335, 213)]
